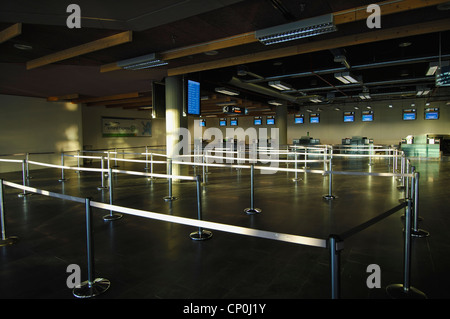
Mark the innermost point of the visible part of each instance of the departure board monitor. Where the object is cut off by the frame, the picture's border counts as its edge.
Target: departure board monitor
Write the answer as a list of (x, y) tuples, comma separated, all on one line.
[(367, 116), (193, 97), (349, 117), (409, 114), (432, 113), (299, 119)]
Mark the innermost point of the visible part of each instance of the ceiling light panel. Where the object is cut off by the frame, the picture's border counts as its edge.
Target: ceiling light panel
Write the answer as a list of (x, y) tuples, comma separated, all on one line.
[(226, 91), (142, 62), (280, 85), (297, 30)]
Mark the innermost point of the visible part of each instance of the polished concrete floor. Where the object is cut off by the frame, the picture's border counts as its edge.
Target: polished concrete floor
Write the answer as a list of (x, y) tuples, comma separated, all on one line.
[(151, 259)]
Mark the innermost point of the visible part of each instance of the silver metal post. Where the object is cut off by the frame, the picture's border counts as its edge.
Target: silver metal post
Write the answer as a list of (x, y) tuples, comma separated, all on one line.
[(112, 216), (296, 178), (102, 174), (5, 241), (78, 162), (62, 169), (28, 166), (252, 210), (334, 267), (170, 197), (92, 287), (201, 234), (204, 171), (416, 232), (146, 158), (24, 180), (404, 291), (330, 179)]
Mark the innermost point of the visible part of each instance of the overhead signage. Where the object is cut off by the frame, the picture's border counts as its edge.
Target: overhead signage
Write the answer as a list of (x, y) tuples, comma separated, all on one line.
[(231, 109)]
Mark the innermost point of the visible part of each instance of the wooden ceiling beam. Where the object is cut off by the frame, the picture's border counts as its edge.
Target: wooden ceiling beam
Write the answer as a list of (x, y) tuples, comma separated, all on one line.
[(126, 101), (340, 17), (67, 97), (10, 32), (108, 98), (93, 46), (361, 38)]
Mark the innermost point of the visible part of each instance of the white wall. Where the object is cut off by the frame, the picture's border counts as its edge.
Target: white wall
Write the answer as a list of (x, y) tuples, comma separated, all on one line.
[(33, 125)]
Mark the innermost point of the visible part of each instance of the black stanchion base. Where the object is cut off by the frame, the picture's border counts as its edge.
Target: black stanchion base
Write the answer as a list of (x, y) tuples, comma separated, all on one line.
[(24, 194), (420, 233), (252, 211), (8, 241), (169, 198), (329, 197), (397, 291), (201, 235), (112, 217), (88, 290), (100, 188)]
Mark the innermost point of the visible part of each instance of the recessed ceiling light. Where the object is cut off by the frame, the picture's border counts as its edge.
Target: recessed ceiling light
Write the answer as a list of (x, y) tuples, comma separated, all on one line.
[(24, 47), (404, 44), (212, 52)]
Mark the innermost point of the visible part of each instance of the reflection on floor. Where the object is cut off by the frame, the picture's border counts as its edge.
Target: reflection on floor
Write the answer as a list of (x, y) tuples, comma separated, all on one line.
[(144, 258)]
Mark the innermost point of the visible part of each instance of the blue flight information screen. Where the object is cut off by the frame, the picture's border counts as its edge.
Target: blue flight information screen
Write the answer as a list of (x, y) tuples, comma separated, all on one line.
[(193, 98)]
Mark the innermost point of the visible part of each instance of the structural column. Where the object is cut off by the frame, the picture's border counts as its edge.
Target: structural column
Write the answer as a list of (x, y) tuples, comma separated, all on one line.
[(281, 123), (174, 121)]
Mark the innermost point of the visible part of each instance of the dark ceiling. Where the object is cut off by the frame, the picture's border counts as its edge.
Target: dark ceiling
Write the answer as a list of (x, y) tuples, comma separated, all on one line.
[(390, 62)]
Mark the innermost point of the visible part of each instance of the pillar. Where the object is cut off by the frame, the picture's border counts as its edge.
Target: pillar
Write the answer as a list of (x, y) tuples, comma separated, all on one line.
[(281, 123), (174, 121)]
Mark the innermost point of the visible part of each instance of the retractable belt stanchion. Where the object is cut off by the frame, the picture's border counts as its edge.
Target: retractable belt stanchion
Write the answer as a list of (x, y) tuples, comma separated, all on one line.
[(330, 195), (296, 178), (201, 234), (28, 166), (24, 193), (78, 162), (170, 197), (5, 241), (112, 216), (415, 232), (62, 179), (102, 174), (92, 287), (252, 210), (405, 291), (334, 266)]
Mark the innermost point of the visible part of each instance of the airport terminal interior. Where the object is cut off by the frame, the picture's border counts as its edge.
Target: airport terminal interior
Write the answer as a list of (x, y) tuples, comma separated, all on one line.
[(225, 150)]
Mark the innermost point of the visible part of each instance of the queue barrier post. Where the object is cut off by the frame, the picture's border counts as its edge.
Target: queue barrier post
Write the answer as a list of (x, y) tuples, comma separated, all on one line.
[(405, 290), (330, 195), (416, 232), (24, 193), (170, 197), (27, 156), (78, 162), (5, 241), (93, 286), (296, 178), (252, 210), (102, 160), (62, 179), (201, 234), (335, 266), (112, 216)]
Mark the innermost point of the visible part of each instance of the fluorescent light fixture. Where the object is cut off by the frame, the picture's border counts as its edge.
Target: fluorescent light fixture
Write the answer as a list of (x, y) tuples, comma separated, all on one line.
[(345, 77), (364, 96), (276, 103), (433, 66), (280, 85), (226, 91), (422, 90), (316, 99), (142, 62), (297, 30)]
